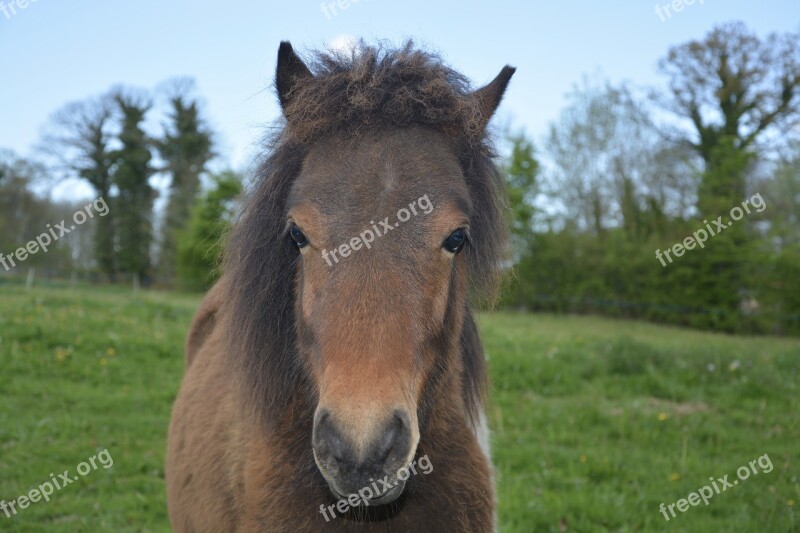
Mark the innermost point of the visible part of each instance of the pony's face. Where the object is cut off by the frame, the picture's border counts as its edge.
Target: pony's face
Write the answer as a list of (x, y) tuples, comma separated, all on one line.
[(380, 222), (383, 220)]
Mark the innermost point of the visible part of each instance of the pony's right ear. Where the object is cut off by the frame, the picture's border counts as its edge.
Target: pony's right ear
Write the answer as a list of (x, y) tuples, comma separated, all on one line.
[(290, 73)]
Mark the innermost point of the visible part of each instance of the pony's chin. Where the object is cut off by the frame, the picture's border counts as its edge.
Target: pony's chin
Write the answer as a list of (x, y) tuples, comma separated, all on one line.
[(387, 497)]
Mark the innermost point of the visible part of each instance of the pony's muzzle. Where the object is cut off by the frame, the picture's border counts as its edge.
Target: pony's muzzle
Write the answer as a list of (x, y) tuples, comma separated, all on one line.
[(352, 463)]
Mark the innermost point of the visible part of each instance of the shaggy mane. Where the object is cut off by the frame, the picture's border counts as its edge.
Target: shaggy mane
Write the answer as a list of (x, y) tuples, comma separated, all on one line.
[(373, 86)]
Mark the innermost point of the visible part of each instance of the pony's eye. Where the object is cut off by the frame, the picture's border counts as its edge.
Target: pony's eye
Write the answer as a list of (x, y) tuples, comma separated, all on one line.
[(455, 242), (298, 237)]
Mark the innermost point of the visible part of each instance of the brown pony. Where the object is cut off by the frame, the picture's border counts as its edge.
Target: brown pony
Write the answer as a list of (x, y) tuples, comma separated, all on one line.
[(335, 377)]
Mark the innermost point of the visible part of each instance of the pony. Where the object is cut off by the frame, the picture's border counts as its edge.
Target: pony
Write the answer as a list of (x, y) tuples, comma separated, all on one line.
[(335, 379)]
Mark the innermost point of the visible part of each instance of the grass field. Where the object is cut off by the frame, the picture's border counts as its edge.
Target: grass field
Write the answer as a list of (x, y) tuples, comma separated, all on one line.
[(595, 422)]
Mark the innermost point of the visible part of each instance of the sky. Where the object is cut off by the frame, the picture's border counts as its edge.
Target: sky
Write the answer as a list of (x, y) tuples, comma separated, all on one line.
[(59, 52)]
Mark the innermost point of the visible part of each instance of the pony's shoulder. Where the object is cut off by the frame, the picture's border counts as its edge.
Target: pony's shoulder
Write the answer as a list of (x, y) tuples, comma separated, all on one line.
[(204, 321)]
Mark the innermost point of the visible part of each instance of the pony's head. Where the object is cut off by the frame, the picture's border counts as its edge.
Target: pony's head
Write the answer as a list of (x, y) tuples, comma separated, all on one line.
[(350, 269)]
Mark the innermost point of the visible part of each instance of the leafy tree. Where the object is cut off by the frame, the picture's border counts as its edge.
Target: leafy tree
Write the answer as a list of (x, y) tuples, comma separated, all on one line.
[(779, 246), (186, 148), (200, 246), (521, 172), (24, 216), (21, 212), (134, 203)]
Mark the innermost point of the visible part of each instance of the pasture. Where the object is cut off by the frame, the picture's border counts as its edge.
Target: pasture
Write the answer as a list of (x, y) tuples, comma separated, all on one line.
[(595, 422)]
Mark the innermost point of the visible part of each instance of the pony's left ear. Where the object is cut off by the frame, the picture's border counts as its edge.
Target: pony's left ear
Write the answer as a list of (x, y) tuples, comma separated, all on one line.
[(290, 73), (488, 97)]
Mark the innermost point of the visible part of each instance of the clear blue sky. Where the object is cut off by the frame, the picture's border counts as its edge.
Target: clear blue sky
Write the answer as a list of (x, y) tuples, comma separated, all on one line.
[(57, 52)]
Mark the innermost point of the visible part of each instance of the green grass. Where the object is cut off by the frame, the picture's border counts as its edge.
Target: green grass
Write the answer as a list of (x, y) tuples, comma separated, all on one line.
[(79, 372), (596, 422)]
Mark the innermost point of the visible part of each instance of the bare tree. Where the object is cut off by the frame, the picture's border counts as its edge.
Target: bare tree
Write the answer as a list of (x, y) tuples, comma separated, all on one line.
[(77, 141), (603, 152)]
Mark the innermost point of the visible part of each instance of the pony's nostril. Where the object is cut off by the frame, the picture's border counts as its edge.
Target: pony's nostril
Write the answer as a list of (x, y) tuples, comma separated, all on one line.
[(389, 439), (329, 443)]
